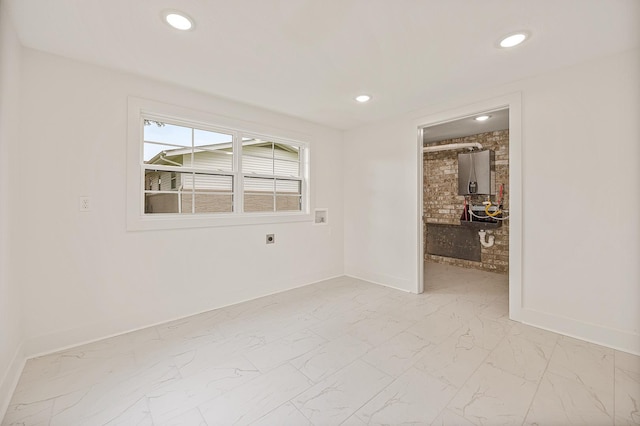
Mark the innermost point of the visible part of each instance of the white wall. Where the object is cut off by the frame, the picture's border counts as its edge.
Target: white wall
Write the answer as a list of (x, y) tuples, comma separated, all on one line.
[(83, 274), (381, 201), (11, 357), (581, 235)]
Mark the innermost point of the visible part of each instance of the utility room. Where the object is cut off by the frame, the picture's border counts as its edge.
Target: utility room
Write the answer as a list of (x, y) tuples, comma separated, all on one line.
[(466, 197)]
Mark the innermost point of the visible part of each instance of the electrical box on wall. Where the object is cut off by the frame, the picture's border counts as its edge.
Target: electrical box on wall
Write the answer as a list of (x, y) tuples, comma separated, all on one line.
[(476, 173), (321, 216)]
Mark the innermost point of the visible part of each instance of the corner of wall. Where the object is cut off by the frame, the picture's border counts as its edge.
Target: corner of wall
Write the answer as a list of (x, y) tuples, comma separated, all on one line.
[(10, 380), (12, 357)]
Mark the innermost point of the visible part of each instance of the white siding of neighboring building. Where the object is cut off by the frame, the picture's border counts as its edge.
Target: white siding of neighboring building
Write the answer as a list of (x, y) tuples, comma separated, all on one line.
[(264, 160), (213, 192), (221, 160), (256, 159), (151, 178)]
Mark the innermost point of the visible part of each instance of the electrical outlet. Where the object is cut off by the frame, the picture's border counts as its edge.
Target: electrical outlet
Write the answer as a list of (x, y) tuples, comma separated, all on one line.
[(271, 238), (85, 206)]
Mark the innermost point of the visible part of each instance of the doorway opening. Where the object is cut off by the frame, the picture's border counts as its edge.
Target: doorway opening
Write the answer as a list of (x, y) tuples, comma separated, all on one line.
[(470, 180)]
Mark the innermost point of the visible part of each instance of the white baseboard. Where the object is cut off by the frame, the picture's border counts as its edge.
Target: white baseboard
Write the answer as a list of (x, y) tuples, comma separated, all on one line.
[(376, 282), (10, 380), (381, 279), (613, 338), (89, 333)]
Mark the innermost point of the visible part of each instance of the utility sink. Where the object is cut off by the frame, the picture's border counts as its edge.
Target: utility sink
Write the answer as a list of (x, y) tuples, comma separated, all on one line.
[(478, 224)]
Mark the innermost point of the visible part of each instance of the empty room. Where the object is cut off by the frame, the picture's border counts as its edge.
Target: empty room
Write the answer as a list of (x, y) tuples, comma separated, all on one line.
[(299, 212)]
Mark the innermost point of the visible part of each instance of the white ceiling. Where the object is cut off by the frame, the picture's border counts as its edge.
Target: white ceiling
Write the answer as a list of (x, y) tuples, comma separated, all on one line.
[(498, 120), (309, 58)]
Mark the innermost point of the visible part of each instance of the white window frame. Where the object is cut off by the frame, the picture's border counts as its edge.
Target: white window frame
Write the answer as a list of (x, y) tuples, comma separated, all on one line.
[(138, 220)]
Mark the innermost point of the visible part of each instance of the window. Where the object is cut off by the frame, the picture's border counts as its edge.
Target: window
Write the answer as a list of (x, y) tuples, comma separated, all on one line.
[(193, 168), (200, 173), (271, 176)]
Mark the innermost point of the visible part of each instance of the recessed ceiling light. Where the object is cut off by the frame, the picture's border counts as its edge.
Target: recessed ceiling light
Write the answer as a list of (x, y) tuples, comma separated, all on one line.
[(513, 39), (178, 20), (483, 117), (363, 98)]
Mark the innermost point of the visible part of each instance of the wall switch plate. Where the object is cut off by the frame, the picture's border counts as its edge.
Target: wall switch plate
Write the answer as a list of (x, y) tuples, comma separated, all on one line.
[(85, 206), (271, 238)]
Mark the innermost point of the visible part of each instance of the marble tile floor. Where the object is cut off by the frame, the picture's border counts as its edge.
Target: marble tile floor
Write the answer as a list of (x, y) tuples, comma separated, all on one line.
[(340, 352)]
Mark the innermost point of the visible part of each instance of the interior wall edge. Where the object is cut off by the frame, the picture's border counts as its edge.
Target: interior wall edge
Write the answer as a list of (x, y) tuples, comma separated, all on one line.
[(384, 280), (10, 379), (11, 299)]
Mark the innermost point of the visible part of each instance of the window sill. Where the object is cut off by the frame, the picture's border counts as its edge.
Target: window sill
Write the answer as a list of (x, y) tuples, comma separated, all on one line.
[(170, 221)]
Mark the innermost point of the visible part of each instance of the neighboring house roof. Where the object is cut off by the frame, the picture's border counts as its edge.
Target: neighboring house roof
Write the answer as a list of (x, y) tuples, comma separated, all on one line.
[(162, 155)]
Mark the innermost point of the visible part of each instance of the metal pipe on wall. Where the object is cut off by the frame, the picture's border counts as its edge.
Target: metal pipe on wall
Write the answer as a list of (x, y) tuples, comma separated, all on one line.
[(452, 146)]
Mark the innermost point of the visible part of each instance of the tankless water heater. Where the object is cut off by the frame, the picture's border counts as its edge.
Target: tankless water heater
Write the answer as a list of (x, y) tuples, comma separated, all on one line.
[(476, 173)]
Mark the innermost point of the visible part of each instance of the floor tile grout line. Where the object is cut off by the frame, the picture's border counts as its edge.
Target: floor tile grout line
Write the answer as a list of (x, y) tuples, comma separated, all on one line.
[(484, 361), (614, 387), (384, 341), (443, 339), (313, 383), (542, 376), (290, 359), (295, 407), (50, 413), (276, 408), (405, 369), (394, 379), (202, 416), (343, 368)]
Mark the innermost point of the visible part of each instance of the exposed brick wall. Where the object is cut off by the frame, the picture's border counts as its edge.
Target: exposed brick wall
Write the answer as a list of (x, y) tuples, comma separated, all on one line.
[(208, 203), (219, 203), (264, 203), (442, 204)]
